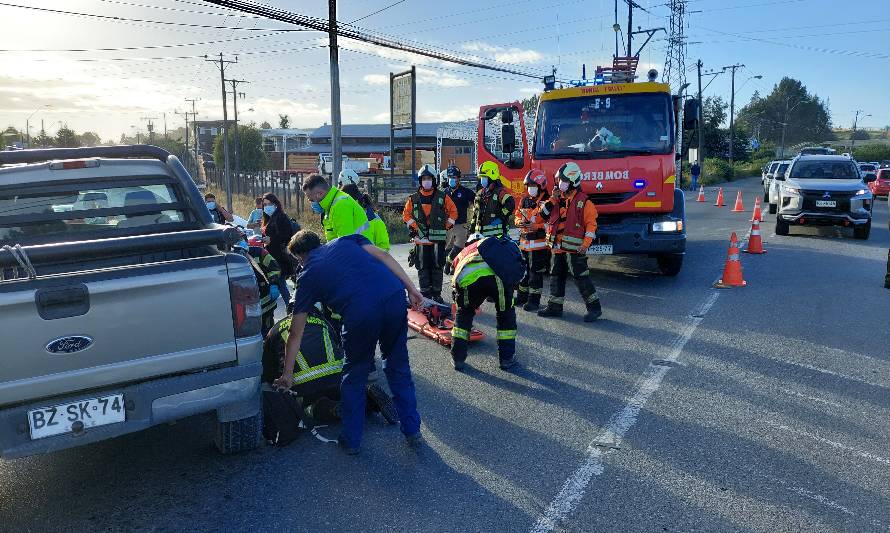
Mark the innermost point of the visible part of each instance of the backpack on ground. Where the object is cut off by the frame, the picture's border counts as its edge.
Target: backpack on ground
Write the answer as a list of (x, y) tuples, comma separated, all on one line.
[(283, 417), (504, 257)]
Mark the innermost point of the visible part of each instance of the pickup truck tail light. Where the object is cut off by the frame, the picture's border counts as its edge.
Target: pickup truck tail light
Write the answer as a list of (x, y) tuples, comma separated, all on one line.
[(246, 311)]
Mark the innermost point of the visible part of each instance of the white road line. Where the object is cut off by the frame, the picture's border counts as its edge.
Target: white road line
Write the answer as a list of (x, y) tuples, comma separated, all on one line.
[(806, 493), (837, 445), (812, 398), (573, 489)]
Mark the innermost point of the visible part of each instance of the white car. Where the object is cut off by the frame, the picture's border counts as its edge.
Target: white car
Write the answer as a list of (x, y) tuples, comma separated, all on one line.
[(773, 184)]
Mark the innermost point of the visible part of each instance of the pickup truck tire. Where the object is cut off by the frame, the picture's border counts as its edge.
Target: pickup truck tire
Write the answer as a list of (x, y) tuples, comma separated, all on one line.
[(773, 208), (239, 435), (670, 264), (862, 231), (782, 227), (766, 195)]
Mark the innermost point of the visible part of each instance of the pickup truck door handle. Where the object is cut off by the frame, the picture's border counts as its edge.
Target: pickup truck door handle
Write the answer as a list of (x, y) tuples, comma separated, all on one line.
[(62, 302)]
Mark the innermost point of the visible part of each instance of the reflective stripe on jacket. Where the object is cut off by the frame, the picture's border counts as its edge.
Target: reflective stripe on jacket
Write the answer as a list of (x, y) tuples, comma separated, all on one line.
[(531, 223), (469, 266), (343, 216), (492, 211), (309, 370), (572, 222), (430, 214)]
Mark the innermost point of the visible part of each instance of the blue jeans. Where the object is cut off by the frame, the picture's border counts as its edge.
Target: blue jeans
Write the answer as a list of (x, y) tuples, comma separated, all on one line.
[(389, 326), (694, 183), (282, 288)]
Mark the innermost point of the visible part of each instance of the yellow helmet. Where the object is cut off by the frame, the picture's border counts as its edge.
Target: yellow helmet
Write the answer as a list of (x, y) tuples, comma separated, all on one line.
[(489, 169)]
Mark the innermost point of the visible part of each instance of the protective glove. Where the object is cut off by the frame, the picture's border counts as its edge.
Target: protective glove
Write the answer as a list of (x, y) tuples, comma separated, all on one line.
[(274, 292)]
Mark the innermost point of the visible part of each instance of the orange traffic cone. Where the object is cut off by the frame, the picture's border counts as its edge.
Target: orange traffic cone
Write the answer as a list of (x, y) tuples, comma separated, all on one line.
[(720, 202), (758, 214), (739, 205), (732, 270), (701, 194), (755, 242)]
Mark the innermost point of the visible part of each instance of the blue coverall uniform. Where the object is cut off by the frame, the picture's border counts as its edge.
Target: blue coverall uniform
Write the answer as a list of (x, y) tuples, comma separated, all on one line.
[(371, 300)]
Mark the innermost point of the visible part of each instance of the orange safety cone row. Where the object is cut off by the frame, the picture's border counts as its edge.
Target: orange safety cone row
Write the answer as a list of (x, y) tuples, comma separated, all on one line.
[(755, 241), (739, 205), (701, 194), (758, 214), (719, 202), (732, 270)]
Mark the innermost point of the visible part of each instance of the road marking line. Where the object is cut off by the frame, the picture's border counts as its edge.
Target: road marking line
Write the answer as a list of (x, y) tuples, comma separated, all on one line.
[(824, 500), (812, 398), (861, 453), (610, 438)]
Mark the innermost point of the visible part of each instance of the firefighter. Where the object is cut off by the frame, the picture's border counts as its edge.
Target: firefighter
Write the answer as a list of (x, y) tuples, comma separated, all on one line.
[(378, 233), (532, 240), (429, 214), (493, 206), (572, 229), (473, 282), (267, 273), (463, 198), (342, 214)]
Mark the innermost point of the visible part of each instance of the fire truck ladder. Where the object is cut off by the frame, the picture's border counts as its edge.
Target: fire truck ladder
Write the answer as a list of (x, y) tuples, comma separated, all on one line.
[(623, 70)]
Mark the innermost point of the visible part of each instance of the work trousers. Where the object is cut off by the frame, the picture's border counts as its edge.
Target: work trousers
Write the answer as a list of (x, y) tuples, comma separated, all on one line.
[(537, 262), (454, 243), (430, 260), (564, 264), (468, 300), (388, 326)]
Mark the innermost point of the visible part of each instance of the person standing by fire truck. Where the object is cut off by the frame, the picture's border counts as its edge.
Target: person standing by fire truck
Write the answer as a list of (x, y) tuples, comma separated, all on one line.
[(572, 220), (532, 240), (494, 205)]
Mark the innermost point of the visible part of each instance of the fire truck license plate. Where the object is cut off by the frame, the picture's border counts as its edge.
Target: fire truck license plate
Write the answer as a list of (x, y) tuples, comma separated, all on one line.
[(91, 412), (600, 249)]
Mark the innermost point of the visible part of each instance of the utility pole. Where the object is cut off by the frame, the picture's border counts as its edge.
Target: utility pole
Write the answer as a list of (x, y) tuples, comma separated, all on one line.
[(165, 125), (630, 26), (699, 158), (237, 143), (732, 114), (194, 118), (222, 80), (150, 127), (853, 133), (336, 148)]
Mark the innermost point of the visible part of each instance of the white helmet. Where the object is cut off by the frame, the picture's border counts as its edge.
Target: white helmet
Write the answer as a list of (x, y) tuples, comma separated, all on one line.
[(473, 237), (347, 176)]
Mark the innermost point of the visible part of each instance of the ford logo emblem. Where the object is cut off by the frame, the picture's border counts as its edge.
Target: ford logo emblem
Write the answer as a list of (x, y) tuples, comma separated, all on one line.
[(71, 344)]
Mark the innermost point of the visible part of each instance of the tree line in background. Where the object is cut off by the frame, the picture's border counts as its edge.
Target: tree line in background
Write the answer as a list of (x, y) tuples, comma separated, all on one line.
[(65, 137)]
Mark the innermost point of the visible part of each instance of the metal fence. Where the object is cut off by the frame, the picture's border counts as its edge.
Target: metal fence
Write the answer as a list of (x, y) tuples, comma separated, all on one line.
[(287, 186)]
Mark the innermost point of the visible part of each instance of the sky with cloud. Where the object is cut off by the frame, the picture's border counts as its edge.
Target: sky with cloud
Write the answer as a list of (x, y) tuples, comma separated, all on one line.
[(109, 75)]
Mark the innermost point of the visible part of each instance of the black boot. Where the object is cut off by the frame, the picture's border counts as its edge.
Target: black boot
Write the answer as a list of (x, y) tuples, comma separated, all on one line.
[(534, 302), (521, 298), (594, 311), (552, 310)]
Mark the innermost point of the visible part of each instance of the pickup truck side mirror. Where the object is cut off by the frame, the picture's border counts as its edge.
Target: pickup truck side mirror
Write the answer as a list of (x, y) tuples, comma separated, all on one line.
[(508, 138), (870, 177), (779, 177)]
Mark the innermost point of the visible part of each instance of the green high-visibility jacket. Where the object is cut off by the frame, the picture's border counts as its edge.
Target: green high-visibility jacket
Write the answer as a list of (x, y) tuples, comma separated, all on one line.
[(343, 216)]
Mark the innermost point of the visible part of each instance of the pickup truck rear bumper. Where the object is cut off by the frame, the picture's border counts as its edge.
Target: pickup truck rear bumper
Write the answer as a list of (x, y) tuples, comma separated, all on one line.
[(232, 391)]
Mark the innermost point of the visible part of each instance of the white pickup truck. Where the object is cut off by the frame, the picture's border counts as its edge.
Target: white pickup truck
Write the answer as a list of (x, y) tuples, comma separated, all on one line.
[(121, 306)]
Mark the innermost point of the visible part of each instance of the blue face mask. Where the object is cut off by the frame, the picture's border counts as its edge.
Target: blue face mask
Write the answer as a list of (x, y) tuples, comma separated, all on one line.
[(211, 205), (483, 182), (316, 208), (242, 244), (452, 182), (269, 210)]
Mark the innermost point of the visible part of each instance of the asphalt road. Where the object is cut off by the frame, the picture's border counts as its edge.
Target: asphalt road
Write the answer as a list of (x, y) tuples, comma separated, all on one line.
[(685, 408)]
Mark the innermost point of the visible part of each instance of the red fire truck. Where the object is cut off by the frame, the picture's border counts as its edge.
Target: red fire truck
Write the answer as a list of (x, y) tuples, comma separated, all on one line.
[(622, 134)]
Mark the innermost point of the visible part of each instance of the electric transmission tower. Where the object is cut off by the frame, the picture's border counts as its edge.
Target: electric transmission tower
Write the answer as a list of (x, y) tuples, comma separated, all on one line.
[(674, 73)]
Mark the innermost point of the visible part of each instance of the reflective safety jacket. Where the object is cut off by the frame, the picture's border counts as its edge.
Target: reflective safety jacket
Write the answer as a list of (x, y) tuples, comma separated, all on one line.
[(492, 211), (572, 220), (531, 223), (379, 234), (271, 272), (469, 266), (429, 214), (319, 355), (343, 216)]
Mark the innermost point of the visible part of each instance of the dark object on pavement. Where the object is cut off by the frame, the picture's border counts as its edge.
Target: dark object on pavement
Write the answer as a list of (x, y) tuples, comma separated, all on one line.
[(282, 414)]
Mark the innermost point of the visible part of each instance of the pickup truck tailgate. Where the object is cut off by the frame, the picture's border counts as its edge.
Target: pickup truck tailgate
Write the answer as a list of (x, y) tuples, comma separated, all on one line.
[(138, 322)]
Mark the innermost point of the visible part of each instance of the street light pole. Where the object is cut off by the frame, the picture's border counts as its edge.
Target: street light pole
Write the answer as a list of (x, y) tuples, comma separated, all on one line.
[(336, 147), (28, 123), (853, 133), (699, 158), (732, 115)]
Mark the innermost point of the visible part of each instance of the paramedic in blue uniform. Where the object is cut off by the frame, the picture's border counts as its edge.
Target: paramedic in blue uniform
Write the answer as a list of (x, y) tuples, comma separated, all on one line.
[(366, 286)]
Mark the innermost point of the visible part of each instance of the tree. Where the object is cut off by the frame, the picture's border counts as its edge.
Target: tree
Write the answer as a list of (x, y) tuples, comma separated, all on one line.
[(42, 140), (89, 138), (265, 125), (253, 157), (283, 121), (872, 152), (66, 138), (530, 105), (805, 116), (8, 136)]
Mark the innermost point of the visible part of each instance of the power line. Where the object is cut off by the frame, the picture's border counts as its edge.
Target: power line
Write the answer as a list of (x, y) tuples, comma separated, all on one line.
[(167, 8), (146, 47), (834, 51), (142, 21), (369, 15)]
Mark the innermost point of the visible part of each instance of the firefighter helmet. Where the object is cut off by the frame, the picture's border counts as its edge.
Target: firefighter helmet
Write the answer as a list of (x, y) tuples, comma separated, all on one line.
[(536, 177), (428, 171), (347, 176), (570, 172), (489, 169), (452, 171)]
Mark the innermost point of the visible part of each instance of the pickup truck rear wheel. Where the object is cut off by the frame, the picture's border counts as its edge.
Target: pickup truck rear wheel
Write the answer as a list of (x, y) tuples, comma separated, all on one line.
[(766, 195), (670, 264), (862, 231), (782, 227), (773, 208), (239, 435)]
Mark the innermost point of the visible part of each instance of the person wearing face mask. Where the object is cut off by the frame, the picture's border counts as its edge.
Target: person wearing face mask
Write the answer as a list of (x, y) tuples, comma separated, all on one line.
[(429, 213), (532, 240), (463, 198), (341, 214), (219, 213), (493, 206), (572, 229), (277, 231), (378, 234)]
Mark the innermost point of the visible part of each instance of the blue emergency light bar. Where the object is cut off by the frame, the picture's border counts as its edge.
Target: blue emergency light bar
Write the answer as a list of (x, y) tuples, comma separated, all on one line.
[(639, 184)]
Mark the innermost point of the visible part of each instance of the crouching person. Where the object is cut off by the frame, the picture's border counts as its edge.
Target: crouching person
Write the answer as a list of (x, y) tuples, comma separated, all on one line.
[(318, 370), (366, 287)]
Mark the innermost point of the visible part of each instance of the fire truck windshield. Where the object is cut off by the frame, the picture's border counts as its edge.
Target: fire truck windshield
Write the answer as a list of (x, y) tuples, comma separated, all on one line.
[(594, 127)]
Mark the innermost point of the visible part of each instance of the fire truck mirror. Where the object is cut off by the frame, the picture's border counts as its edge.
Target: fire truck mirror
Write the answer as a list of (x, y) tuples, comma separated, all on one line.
[(507, 116), (691, 113), (508, 139)]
